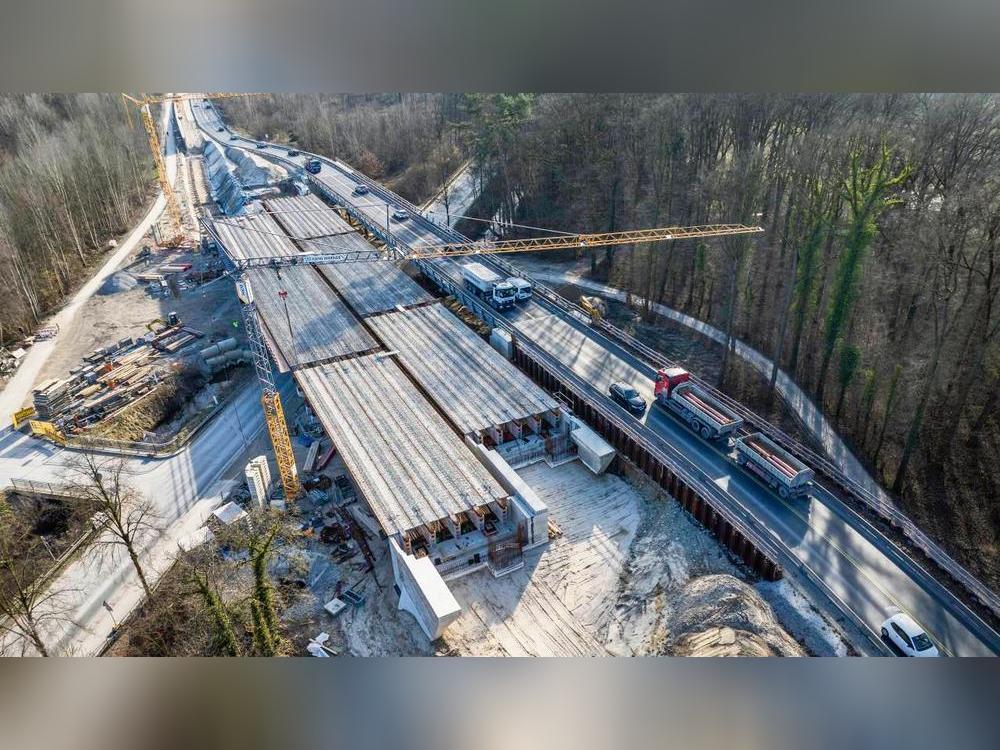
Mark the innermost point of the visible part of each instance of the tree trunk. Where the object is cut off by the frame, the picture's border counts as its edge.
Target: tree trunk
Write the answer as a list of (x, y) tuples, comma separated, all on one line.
[(890, 403), (730, 316), (779, 339), (913, 433), (36, 638), (138, 569), (989, 409)]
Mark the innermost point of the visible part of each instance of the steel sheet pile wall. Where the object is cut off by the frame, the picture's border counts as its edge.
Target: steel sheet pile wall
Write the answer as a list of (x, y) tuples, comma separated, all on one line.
[(472, 383), (369, 288), (740, 537), (409, 465)]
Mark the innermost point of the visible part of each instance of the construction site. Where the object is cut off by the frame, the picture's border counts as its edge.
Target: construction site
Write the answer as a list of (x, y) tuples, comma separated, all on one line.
[(450, 474), (505, 523)]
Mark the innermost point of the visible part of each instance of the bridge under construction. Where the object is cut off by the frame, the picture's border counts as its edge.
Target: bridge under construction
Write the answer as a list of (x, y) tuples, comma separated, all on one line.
[(829, 550)]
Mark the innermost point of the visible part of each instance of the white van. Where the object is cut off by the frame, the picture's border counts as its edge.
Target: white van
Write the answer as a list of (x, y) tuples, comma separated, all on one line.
[(522, 287)]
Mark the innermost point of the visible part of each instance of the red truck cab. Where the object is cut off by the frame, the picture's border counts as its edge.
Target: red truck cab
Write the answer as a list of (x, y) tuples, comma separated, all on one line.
[(667, 378)]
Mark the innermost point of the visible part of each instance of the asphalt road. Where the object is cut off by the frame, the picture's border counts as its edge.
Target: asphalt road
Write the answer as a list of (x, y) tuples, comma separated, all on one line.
[(184, 489), (862, 569)]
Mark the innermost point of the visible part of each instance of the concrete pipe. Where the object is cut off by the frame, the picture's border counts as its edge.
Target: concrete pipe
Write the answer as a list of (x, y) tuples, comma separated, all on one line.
[(215, 350)]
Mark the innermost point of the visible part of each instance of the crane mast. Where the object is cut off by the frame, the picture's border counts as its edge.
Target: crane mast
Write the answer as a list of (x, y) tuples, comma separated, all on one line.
[(270, 400)]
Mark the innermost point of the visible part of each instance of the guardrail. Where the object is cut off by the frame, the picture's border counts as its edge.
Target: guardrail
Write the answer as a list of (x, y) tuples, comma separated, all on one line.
[(50, 489)]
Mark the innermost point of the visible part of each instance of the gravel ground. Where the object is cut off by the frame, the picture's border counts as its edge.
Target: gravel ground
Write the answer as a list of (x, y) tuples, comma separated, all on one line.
[(210, 308)]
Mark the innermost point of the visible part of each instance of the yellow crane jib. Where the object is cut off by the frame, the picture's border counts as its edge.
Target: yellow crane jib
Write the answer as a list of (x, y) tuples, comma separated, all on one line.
[(273, 414), (563, 242)]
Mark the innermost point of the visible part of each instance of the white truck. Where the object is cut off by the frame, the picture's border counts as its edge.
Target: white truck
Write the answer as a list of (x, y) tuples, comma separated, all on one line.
[(779, 469), (701, 410), (490, 286), (522, 287)]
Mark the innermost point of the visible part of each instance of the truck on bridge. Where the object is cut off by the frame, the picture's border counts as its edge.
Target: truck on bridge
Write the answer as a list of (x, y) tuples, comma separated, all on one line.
[(782, 471), (490, 286), (706, 415), (522, 287)]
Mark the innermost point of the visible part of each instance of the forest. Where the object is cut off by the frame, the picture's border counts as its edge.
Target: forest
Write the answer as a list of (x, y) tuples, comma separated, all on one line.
[(408, 141), (875, 282), (73, 175)]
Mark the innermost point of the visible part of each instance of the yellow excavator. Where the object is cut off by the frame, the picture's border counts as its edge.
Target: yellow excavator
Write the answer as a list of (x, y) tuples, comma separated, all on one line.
[(595, 307)]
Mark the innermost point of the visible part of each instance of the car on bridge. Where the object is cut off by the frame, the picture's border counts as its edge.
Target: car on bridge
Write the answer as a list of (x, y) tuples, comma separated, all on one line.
[(220, 129), (360, 189), (400, 214), (905, 636), (234, 137), (628, 398), (293, 152), (261, 145)]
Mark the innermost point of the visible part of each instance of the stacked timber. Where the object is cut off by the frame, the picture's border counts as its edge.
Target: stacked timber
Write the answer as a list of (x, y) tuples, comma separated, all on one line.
[(175, 338), (51, 398)]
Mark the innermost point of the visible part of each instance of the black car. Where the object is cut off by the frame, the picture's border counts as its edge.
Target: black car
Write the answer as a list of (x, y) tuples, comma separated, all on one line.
[(360, 189), (293, 152), (261, 145), (220, 129), (234, 137), (628, 397)]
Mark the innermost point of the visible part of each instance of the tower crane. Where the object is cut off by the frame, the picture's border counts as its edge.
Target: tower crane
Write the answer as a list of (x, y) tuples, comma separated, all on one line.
[(143, 103), (400, 252)]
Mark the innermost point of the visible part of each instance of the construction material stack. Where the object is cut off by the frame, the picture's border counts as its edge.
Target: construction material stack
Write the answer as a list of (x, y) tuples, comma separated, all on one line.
[(706, 414), (782, 471), (52, 398), (109, 378)]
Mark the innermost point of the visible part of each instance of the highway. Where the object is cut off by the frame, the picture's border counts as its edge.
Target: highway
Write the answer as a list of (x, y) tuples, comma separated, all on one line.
[(868, 574)]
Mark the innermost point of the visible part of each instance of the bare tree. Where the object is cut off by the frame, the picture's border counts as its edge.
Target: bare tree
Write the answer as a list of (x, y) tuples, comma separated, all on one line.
[(126, 515), (29, 604), (225, 636), (258, 534)]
